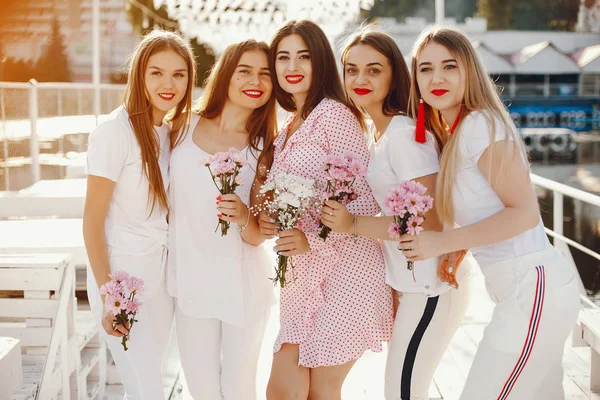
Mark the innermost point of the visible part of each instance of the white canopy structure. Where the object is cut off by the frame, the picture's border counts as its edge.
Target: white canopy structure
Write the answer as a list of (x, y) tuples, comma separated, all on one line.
[(543, 58), (494, 63), (588, 59)]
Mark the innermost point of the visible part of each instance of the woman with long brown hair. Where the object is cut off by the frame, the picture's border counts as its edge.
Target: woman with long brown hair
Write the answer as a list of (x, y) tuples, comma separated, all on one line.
[(125, 216), (377, 80), (338, 305), (220, 283), (484, 186)]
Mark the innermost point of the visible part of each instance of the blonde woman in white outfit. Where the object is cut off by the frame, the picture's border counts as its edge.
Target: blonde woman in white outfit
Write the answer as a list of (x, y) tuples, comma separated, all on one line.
[(429, 311), (125, 217), (221, 283), (484, 186)]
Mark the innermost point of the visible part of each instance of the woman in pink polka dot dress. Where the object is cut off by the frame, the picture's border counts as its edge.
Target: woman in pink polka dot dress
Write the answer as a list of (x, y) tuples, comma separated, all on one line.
[(338, 305)]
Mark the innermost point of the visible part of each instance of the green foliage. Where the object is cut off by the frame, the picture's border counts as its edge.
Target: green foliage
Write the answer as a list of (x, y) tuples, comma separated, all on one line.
[(143, 23), (12, 70), (529, 15), (53, 65), (205, 58), (159, 18), (458, 9)]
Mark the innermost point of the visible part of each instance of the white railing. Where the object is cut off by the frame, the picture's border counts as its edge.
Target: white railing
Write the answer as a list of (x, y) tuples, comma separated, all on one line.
[(559, 191), (59, 342), (552, 89), (35, 117)]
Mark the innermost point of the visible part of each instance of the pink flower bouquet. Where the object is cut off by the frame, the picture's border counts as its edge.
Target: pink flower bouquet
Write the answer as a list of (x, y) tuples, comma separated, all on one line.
[(120, 299), (408, 203), (342, 171), (224, 169)]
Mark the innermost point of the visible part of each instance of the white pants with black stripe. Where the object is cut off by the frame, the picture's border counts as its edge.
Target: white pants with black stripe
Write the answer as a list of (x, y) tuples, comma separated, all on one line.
[(520, 355), (423, 329)]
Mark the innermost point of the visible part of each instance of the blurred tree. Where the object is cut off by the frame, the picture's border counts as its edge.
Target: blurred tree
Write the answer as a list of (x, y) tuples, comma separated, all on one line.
[(53, 65), (12, 70), (458, 9), (564, 17), (498, 13), (144, 17), (529, 15), (205, 58)]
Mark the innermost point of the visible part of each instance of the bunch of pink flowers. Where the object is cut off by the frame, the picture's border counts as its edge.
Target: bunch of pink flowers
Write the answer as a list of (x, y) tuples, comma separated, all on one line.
[(408, 203), (224, 168), (120, 299), (342, 171)]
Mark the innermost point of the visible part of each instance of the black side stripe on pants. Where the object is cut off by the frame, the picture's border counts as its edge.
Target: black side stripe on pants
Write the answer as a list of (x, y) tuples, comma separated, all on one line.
[(413, 347)]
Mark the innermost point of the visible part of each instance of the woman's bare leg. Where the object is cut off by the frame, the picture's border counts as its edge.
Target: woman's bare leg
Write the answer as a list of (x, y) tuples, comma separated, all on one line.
[(326, 382), (288, 380)]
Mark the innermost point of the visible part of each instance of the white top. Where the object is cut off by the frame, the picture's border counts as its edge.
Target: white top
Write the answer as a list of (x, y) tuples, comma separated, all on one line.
[(114, 153), (475, 200), (396, 157), (212, 276)]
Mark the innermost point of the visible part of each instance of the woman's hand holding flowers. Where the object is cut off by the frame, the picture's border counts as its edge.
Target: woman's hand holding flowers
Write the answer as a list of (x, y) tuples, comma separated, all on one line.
[(336, 216)]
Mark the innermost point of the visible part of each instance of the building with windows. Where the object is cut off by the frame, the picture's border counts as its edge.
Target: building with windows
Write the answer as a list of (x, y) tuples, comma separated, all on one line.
[(29, 23), (549, 78)]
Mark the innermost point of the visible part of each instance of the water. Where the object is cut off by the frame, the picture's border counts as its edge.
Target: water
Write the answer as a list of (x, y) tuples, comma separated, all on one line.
[(581, 220)]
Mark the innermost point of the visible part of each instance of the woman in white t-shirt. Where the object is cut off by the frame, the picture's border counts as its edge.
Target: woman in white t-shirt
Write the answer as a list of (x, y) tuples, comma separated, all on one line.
[(221, 283), (125, 216), (429, 312), (484, 186)]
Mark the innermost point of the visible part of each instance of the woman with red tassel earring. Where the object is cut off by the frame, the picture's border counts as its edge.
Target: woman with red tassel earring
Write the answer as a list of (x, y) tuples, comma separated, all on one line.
[(377, 80), (484, 187)]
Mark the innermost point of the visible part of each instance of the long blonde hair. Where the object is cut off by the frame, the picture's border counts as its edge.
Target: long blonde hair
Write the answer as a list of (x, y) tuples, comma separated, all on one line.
[(480, 95), (262, 123), (137, 103)]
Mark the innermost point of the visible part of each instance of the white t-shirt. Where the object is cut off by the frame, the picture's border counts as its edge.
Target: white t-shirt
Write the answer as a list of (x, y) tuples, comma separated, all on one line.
[(396, 157), (475, 200), (114, 153), (212, 276)]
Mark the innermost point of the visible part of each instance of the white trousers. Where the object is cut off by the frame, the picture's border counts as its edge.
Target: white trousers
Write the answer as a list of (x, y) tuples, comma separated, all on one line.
[(520, 355), (423, 328), (141, 366), (220, 360)]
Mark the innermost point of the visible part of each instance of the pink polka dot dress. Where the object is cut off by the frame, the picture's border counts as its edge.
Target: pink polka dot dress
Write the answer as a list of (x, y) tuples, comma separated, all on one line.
[(339, 305)]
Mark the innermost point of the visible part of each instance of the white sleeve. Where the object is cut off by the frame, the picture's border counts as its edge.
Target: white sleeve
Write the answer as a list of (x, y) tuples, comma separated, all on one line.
[(108, 147), (409, 159), (476, 135)]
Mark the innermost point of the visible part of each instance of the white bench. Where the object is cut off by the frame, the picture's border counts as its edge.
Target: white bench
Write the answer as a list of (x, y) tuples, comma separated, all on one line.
[(61, 350), (11, 373), (589, 323), (47, 236), (62, 198)]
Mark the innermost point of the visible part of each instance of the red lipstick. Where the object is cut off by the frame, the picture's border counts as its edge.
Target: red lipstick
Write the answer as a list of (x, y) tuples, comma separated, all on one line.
[(255, 94), (439, 92), (362, 91), (294, 79)]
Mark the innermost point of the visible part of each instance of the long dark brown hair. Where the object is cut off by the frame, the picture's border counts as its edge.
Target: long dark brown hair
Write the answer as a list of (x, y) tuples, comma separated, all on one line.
[(396, 101), (262, 123), (325, 80), (137, 103)]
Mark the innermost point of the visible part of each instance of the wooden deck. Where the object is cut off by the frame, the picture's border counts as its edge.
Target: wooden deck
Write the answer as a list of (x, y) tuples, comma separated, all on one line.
[(365, 381)]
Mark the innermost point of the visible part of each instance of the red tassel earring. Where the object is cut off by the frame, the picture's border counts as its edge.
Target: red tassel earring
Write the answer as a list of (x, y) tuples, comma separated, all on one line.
[(420, 136)]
